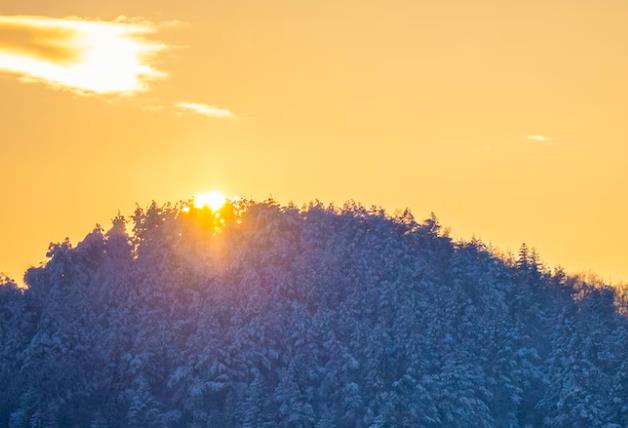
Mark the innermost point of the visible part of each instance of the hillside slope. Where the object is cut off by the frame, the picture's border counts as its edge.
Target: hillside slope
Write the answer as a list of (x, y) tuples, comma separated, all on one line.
[(266, 316)]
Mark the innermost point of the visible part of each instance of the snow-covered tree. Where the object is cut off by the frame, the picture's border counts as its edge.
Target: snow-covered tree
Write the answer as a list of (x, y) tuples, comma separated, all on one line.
[(262, 315)]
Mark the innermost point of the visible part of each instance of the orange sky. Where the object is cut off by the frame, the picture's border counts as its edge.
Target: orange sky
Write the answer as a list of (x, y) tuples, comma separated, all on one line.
[(508, 119)]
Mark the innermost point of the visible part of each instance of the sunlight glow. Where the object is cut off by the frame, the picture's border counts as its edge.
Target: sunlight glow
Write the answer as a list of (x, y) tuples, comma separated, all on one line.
[(213, 200), (81, 55)]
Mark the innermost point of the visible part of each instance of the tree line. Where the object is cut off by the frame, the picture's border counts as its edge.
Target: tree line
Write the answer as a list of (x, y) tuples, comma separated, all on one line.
[(262, 315)]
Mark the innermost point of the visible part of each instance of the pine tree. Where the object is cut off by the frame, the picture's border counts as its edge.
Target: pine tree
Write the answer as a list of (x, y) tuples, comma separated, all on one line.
[(313, 317)]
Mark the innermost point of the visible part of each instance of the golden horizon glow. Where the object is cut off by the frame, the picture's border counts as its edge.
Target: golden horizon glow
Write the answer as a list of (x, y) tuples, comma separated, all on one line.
[(506, 119), (213, 200), (84, 56)]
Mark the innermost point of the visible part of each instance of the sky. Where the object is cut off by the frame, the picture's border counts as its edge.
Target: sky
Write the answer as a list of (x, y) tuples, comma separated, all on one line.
[(506, 119)]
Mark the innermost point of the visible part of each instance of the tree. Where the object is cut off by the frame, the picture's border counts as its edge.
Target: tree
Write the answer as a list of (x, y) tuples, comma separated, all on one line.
[(314, 317)]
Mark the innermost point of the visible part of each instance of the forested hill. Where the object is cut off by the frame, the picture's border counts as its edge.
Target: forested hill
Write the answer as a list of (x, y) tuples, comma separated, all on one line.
[(263, 315)]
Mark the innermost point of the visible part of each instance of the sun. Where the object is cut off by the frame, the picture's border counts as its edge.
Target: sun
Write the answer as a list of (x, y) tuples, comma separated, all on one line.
[(214, 200)]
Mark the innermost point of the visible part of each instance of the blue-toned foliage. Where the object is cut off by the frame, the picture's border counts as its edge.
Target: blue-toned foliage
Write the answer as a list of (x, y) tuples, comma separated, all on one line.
[(272, 316)]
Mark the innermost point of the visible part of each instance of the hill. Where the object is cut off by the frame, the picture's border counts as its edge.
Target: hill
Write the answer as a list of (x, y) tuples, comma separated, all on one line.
[(262, 315)]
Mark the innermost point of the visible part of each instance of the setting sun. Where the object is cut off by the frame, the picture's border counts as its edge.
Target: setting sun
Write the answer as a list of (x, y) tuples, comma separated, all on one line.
[(314, 213), (213, 200)]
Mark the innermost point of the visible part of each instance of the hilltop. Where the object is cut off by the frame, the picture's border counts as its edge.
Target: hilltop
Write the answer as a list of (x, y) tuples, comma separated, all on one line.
[(262, 315)]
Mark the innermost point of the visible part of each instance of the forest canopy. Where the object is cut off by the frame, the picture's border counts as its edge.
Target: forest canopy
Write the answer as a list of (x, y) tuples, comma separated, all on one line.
[(262, 315)]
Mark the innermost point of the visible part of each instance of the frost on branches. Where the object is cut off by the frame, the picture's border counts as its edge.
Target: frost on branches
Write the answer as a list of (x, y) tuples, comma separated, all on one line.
[(262, 315)]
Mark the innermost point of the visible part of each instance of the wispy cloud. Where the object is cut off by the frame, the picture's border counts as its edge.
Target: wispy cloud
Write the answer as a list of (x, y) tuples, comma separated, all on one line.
[(81, 55), (204, 110), (537, 137)]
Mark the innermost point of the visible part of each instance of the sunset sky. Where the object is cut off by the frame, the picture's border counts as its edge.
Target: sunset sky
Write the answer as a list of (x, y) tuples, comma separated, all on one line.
[(509, 120)]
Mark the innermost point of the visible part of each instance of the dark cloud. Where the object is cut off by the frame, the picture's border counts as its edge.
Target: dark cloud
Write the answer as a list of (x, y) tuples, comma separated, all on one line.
[(50, 44)]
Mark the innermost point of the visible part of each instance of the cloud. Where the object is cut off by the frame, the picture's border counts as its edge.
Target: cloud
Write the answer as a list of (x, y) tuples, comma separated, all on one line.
[(85, 56), (204, 110), (48, 44), (538, 138)]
